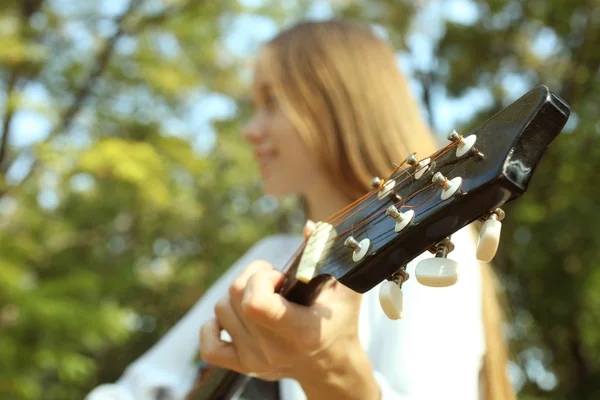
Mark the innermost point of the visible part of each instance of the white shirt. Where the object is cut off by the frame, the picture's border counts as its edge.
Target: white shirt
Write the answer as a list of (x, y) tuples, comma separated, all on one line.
[(434, 352)]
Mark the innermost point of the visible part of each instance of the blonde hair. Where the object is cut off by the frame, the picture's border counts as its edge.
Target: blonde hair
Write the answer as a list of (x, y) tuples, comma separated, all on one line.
[(341, 88)]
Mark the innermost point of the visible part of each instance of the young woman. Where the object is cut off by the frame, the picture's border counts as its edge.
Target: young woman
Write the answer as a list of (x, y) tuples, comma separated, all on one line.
[(332, 111)]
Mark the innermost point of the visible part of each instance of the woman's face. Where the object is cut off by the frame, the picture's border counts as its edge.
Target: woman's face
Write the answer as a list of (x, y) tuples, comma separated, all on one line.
[(284, 161)]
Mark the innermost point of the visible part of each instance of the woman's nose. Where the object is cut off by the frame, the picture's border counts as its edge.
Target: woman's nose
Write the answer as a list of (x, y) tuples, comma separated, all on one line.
[(253, 131)]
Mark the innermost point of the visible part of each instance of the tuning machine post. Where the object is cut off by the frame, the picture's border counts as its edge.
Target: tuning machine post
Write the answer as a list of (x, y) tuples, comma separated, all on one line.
[(386, 188), (421, 166), (439, 271), (465, 145), (391, 298), (489, 236), (359, 249), (403, 219), (449, 186), (376, 182)]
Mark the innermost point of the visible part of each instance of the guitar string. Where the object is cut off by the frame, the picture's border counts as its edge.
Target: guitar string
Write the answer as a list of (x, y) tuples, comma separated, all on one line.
[(362, 228), (380, 212), (434, 157), (448, 148), (336, 257), (339, 249), (338, 214), (342, 213), (351, 207), (375, 240), (335, 260)]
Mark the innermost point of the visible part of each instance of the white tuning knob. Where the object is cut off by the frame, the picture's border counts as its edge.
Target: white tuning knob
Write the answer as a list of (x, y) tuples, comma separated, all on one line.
[(463, 144), (422, 167), (489, 237), (437, 272), (391, 299)]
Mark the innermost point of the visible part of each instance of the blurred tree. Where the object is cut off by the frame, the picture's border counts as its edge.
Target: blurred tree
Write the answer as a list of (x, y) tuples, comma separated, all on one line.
[(125, 189), (549, 256), (486, 54), (119, 203)]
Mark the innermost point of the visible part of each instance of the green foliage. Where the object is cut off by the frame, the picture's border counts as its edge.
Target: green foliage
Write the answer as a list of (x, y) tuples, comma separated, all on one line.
[(548, 257), (140, 193), (128, 213)]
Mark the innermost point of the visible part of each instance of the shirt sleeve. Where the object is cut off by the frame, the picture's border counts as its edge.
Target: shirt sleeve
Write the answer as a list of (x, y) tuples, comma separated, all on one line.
[(169, 366), (436, 350)]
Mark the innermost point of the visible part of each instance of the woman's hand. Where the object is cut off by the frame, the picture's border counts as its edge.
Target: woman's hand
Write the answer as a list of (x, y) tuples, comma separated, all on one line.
[(273, 338)]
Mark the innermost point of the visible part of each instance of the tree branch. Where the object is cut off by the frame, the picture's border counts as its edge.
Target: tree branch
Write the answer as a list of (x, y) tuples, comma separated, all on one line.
[(84, 91), (429, 79), (162, 17), (427, 83), (585, 53), (28, 8), (8, 115), (103, 59), (99, 68)]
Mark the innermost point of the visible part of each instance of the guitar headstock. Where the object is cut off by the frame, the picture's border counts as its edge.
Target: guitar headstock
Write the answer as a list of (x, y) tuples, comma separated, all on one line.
[(425, 201)]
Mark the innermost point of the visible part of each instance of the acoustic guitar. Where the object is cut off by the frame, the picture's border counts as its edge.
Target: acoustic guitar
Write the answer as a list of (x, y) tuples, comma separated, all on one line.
[(417, 208)]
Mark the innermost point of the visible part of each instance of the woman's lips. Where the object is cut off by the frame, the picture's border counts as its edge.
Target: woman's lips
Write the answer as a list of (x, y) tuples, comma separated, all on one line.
[(263, 153), (264, 158)]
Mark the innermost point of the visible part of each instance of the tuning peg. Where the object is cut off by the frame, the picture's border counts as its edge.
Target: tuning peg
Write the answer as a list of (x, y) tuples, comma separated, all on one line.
[(391, 298), (464, 144), (489, 237), (449, 187), (402, 219), (439, 271), (421, 168), (386, 189), (412, 159), (360, 249)]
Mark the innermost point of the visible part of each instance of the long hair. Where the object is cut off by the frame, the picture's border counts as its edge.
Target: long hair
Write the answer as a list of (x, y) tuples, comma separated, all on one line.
[(340, 86)]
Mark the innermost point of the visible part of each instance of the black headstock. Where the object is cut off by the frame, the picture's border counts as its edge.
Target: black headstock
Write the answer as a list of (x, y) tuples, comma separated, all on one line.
[(495, 171)]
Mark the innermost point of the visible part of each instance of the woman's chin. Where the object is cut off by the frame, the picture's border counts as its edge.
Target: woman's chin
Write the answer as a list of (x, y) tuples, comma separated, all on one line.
[(275, 192), (277, 189)]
